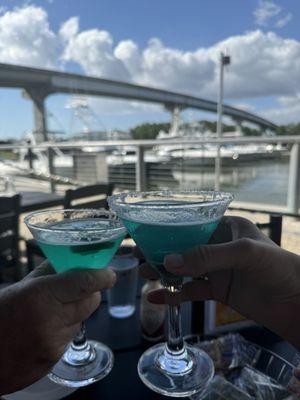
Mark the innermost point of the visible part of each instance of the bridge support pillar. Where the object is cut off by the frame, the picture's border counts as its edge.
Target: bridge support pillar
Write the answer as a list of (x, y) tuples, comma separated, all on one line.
[(175, 119), (38, 97), (238, 126)]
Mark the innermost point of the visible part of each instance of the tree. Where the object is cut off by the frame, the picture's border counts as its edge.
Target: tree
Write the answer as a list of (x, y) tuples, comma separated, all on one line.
[(251, 131), (148, 131), (290, 129)]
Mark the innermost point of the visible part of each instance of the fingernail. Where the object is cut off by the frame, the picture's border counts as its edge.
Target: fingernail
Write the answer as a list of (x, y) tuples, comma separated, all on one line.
[(174, 261)]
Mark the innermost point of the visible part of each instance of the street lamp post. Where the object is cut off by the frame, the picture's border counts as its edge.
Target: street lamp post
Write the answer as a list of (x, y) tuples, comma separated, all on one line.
[(224, 60)]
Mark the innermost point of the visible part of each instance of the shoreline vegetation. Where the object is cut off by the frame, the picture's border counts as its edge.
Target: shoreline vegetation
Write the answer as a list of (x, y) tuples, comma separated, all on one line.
[(151, 130)]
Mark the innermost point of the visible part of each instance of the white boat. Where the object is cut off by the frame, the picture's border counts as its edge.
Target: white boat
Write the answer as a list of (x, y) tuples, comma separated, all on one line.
[(26, 175), (127, 155), (205, 154), (39, 163)]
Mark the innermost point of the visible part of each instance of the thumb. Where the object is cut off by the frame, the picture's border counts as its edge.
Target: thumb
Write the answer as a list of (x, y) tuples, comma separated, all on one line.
[(77, 284), (201, 260), (43, 269)]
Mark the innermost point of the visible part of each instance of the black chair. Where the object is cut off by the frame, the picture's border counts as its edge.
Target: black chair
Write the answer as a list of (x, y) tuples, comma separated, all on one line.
[(93, 196), (273, 227), (9, 233)]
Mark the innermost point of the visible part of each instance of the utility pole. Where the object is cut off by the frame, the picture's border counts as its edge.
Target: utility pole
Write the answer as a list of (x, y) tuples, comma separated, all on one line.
[(224, 60)]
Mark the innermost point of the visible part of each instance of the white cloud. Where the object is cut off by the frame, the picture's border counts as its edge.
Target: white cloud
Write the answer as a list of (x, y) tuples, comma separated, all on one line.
[(243, 106), (187, 72), (69, 29), (287, 111), (270, 13), (26, 38), (265, 11), (263, 63), (128, 53), (284, 20), (93, 51), (108, 106)]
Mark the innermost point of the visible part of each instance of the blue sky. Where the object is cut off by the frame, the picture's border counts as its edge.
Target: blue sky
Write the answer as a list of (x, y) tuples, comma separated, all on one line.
[(114, 39), (180, 24)]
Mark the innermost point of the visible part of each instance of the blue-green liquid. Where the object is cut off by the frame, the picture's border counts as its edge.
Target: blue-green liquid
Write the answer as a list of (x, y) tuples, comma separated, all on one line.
[(158, 240), (65, 255)]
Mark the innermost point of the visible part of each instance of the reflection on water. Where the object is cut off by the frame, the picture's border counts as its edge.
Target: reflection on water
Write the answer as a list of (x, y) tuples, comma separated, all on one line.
[(264, 181), (259, 182)]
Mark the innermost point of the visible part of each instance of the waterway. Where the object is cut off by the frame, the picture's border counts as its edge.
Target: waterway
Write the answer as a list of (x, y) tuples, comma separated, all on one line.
[(259, 182), (264, 181)]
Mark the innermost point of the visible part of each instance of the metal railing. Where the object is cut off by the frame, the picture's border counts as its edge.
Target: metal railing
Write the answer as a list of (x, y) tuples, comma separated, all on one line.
[(141, 146)]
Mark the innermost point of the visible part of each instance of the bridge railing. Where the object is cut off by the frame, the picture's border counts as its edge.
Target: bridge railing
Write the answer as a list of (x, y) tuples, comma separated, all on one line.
[(142, 146)]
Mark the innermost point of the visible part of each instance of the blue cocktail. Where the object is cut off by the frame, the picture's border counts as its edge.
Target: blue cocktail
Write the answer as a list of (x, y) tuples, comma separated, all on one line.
[(162, 223), (66, 252), (158, 240), (73, 239)]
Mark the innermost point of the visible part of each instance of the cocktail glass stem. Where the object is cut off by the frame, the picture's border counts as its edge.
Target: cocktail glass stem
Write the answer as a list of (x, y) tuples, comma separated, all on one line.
[(175, 342), (174, 359), (80, 352), (80, 337)]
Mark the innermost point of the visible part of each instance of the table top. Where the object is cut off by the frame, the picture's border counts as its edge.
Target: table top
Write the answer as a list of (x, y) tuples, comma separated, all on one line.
[(123, 337), (32, 200)]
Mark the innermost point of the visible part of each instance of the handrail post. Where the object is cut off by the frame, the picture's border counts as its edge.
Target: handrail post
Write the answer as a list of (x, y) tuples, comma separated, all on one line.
[(224, 60), (140, 170), (30, 157), (218, 168), (219, 127), (294, 180), (51, 168)]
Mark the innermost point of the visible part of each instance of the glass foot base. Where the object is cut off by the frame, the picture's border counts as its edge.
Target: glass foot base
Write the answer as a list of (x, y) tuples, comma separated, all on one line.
[(121, 311), (84, 373), (182, 376)]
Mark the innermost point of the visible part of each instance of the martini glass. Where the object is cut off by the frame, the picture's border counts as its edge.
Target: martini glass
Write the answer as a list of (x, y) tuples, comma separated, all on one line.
[(73, 239), (161, 223)]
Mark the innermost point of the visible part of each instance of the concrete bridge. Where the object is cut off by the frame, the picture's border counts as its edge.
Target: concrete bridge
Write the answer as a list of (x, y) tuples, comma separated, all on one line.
[(40, 83)]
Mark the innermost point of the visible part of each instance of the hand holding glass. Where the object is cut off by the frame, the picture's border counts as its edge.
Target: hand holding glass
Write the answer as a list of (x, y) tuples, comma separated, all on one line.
[(79, 239)]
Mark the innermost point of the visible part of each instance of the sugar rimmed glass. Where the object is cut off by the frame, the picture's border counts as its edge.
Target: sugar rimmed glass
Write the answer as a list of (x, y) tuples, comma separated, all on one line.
[(70, 239), (164, 222)]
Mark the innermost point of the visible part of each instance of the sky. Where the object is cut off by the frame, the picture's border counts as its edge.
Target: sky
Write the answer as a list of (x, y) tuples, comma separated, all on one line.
[(170, 44)]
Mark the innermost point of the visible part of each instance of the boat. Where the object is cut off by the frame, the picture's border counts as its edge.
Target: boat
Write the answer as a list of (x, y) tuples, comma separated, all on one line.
[(204, 154), (125, 155), (24, 174)]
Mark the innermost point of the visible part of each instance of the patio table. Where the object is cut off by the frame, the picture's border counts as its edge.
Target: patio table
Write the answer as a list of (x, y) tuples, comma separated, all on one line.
[(123, 337)]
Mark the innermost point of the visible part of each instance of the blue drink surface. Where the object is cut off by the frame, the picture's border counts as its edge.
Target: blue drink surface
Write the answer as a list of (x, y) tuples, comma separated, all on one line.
[(67, 251), (158, 240)]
